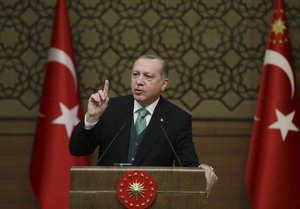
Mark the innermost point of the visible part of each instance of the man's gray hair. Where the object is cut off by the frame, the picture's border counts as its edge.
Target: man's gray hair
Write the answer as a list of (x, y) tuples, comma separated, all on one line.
[(165, 68)]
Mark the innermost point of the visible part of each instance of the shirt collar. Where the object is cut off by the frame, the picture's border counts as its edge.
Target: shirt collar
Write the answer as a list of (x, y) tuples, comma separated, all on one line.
[(150, 107)]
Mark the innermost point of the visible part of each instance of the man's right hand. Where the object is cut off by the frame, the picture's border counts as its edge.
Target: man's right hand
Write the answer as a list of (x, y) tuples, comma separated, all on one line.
[(97, 104)]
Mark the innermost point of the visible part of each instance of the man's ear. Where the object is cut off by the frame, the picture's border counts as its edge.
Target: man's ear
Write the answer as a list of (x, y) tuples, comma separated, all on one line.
[(165, 84)]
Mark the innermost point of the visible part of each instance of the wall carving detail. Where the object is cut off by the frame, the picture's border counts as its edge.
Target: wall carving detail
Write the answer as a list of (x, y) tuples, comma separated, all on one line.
[(214, 48)]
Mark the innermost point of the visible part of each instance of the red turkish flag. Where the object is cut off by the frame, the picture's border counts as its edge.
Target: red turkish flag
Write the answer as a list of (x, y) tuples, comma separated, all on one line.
[(273, 168), (60, 110)]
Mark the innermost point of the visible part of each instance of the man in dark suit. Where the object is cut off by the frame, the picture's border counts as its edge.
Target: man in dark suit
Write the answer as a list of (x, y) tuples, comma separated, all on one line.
[(143, 129)]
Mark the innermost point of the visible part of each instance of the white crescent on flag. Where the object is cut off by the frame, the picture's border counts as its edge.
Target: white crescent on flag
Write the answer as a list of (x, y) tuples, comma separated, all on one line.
[(58, 55), (274, 58)]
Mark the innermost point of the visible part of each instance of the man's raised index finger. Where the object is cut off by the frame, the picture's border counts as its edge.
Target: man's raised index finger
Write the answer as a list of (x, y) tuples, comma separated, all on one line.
[(106, 87)]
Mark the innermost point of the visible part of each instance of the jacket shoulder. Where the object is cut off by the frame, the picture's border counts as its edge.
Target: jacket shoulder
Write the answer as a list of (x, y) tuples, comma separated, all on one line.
[(168, 106)]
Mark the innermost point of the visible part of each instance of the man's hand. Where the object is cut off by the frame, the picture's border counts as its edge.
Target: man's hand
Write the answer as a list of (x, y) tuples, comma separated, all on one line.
[(97, 104), (211, 178)]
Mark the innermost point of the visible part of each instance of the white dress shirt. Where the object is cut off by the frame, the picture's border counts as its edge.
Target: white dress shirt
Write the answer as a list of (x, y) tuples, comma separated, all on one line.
[(136, 107)]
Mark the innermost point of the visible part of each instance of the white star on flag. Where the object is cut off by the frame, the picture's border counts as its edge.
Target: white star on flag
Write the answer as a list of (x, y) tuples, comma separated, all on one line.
[(284, 123), (68, 118)]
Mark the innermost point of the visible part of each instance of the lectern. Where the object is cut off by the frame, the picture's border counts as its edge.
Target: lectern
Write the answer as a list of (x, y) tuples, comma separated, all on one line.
[(95, 187)]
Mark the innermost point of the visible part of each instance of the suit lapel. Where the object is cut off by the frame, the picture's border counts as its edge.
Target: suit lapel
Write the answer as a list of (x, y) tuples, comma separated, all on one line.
[(127, 108)]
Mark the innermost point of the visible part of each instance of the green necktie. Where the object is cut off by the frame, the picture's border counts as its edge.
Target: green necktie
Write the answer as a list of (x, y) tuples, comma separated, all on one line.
[(140, 123)]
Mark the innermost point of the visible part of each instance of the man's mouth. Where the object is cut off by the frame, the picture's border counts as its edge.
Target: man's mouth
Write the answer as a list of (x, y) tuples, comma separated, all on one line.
[(138, 91)]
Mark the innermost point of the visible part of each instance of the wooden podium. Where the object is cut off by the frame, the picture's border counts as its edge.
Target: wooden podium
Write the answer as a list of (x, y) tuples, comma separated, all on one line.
[(96, 187)]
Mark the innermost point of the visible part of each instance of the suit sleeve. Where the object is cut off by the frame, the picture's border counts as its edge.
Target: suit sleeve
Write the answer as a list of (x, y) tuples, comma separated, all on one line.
[(184, 145), (83, 142)]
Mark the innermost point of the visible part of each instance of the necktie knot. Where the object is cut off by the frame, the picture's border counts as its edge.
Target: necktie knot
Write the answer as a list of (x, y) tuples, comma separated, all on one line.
[(140, 124), (143, 112)]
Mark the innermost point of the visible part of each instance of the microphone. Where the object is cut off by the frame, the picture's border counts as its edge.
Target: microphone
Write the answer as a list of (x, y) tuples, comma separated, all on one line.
[(169, 142), (112, 141)]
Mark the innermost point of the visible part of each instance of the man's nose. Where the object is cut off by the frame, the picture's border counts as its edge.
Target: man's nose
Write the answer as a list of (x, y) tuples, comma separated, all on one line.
[(140, 80)]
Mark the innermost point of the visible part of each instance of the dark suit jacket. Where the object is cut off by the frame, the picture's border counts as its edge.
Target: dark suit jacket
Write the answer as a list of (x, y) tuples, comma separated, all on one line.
[(154, 150)]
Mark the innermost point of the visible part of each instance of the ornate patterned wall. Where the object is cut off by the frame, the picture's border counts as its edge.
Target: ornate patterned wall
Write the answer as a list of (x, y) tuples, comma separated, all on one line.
[(215, 49)]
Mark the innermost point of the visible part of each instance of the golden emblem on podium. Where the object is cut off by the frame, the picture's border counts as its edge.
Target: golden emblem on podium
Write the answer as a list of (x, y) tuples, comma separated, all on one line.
[(136, 189)]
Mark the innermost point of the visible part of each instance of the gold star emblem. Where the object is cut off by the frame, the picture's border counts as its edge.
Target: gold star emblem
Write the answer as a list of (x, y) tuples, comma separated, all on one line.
[(136, 189), (278, 26)]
